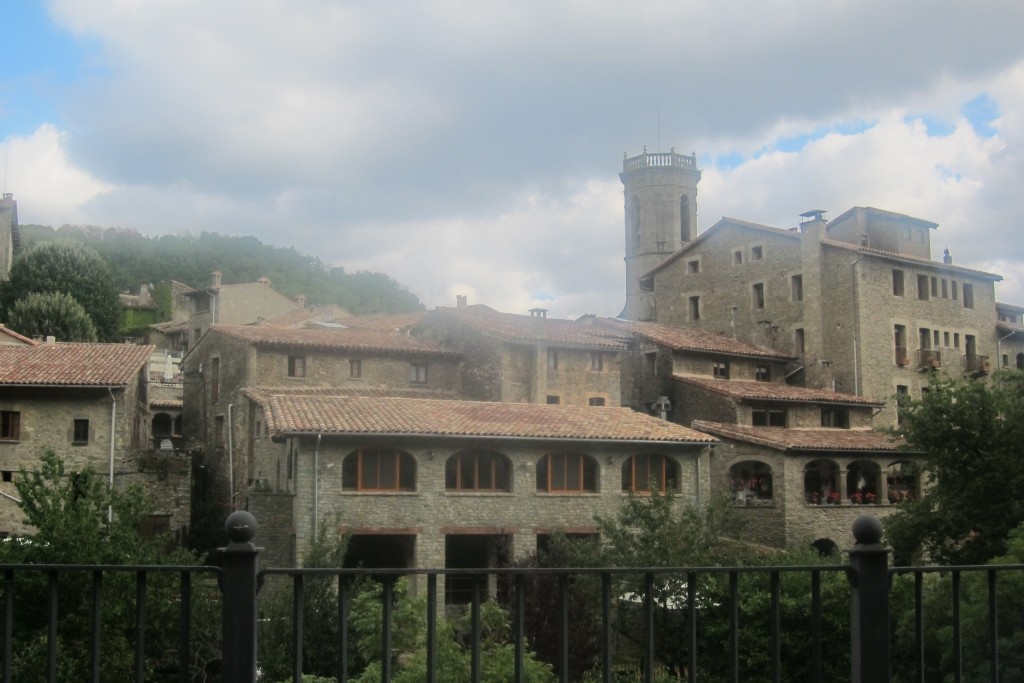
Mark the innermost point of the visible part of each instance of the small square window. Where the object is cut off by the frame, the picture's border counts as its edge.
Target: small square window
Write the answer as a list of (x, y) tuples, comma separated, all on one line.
[(737, 258), (553, 400), (597, 361), (81, 431), (8, 476), (10, 425), (418, 373), (355, 368), (762, 373), (693, 267), (720, 369), (756, 253), (296, 366), (552, 359), (596, 401)]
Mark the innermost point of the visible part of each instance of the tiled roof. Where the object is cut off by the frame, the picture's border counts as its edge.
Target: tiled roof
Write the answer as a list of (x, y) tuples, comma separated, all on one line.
[(382, 321), (368, 415), (894, 256), (299, 316), (167, 404), (340, 339), (20, 338), (512, 327), (783, 439), (72, 364), (774, 391), (171, 327), (686, 339), (262, 395)]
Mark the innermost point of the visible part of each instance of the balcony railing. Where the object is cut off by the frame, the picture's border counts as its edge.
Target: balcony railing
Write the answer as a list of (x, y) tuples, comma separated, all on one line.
[(977, 364), (659, 159), (868, 576), (929, 358)]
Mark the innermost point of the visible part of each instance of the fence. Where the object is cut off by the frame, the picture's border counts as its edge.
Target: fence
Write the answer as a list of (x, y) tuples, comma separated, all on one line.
[(239, 579)]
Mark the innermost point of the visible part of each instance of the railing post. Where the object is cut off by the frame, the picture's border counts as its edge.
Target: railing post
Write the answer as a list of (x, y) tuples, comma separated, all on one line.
[(238, 587), (869, 603)]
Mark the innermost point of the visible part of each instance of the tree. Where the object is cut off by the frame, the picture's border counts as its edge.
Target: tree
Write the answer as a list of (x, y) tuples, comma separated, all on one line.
[(69, 513), (52, 313), (72, 269), (970, 433)]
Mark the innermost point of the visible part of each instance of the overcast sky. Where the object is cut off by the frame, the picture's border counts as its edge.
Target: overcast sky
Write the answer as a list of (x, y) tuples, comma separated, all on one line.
[(468, 147)]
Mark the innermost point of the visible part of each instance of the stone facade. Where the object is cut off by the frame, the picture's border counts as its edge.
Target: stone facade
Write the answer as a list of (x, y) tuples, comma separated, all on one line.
[(235, 304)]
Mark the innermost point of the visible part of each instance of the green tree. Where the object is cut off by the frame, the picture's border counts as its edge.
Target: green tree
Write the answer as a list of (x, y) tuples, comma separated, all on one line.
[(970, 433), (72, 269), (52, 313), (68, 511)]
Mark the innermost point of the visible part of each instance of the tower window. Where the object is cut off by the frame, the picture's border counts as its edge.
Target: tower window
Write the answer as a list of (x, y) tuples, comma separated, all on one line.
[(694, 308), (684, 219)]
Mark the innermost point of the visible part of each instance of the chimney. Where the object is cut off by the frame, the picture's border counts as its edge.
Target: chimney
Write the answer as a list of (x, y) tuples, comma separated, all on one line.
[(301, 300), (538, 312), (264, 281), (215, 280), (144, 297), (50, 339), (946, 258), (460, 301)]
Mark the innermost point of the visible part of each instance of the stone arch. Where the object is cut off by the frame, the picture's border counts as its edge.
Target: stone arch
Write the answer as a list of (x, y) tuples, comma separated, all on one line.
[(826, 547), (903, 482), (821, 482), (751, 482), (163, 426), (862, 482)]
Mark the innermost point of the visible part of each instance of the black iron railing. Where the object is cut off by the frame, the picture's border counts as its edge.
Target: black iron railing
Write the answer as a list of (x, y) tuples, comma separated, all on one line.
[(649, 594)]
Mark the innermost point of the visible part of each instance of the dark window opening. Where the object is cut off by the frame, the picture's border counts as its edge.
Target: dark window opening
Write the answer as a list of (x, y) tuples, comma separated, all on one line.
[(762, 373), (355, 368), (797, 286), (838, 418), (897, 283), (768, 417), (81, 431), (296, 366), (10, 425), (596, 401), (418, 373)]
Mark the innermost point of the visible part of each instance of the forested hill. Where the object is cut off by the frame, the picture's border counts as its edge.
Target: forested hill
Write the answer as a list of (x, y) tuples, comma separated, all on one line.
[(136, 259)]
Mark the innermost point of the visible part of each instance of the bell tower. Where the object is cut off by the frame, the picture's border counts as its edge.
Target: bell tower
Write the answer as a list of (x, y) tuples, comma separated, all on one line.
[(660, 190)]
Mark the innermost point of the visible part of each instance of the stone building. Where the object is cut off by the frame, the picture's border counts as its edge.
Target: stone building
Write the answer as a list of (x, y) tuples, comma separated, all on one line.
[(9, 235), (88, 402), (528, 359), (237, 304)]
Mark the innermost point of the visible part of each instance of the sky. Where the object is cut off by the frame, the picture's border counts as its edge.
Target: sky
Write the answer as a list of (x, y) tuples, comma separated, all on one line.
[(467, 147)]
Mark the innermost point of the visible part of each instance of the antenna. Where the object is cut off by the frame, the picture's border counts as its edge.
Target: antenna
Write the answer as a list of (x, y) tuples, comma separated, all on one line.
[(7, 156), (659, 125)]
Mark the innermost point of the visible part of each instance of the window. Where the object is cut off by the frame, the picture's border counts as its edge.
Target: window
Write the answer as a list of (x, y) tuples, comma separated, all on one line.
[(902, 396), (757, 295), (418, 373), (838, 418), (956, 340), (684, 218), (953, 286), (80, 431), (900, 342), (922, 287), (596, 401), (1020, 361), (906, 234), (1006, 360), (720, 369), (935, 287), (597, 361), (553, 400), (378, 469), (693, 267), (296, 366), (945, 288), (798, 341), (935, 339), (477, 470), (737, 258), (694, 308), (10, 425), (796, 286), (218, 430), (756, 253), (768, 417), (762, 373), (945, 339), (214, 380), (750, 483), (968, 295), (641, 473), (567, 473), (202, 303), (650, 362), (552, 359), (355, 368), (897, 283)]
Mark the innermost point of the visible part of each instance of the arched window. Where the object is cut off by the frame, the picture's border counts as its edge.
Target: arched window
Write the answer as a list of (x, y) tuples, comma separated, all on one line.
[(750, 482), (902, 482), (163, 425), (477, 470), (567, 473), (862, 482), (378, 469), (821, 483), (642, 472), (684, 218)]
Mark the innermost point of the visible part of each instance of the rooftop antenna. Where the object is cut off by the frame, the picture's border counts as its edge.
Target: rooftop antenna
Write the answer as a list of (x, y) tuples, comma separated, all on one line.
[(7, 156), (659, 125)]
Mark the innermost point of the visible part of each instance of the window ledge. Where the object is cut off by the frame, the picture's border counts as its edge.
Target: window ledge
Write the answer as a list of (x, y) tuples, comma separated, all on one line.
[(379, 493), (573, 494), (497, 494)]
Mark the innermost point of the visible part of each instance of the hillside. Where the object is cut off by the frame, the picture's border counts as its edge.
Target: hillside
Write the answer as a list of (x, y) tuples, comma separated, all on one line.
[(136, 258)]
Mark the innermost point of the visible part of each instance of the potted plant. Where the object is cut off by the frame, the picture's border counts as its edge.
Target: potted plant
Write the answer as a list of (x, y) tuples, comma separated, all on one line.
[(832, 498), (870, 498), (857, 498)]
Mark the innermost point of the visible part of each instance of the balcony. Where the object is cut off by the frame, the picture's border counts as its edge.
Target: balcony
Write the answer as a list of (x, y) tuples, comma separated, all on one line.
[(928, 359), (977, 365)]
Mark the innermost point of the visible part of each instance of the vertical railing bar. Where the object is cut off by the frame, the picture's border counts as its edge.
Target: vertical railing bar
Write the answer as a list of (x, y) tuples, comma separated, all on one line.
[(94, 640), (958, 664), (474, 611), (776, 626), (8, 623), (993, 628), (298, 598), (691, 605), (140, 626), (431, 628), (387, 598), (51, 655), (816, 617), (648, 627), (734, 626), (343, 601), (520, 627), (184, 627), (606, 626), (919, 623), (563, 610)]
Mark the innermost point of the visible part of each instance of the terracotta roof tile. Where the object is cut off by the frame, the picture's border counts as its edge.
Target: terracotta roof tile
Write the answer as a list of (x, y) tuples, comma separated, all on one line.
[(340, 339), (382, 321), (512, 327), (687, 339), (72, 364), (364, 415), (167, 404), (774, 391), (783, 439), (262, 394), (895, 256), (300, 316)]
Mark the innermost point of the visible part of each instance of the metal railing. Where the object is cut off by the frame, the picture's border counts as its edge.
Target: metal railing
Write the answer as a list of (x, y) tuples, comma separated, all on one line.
[(693, 593)]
